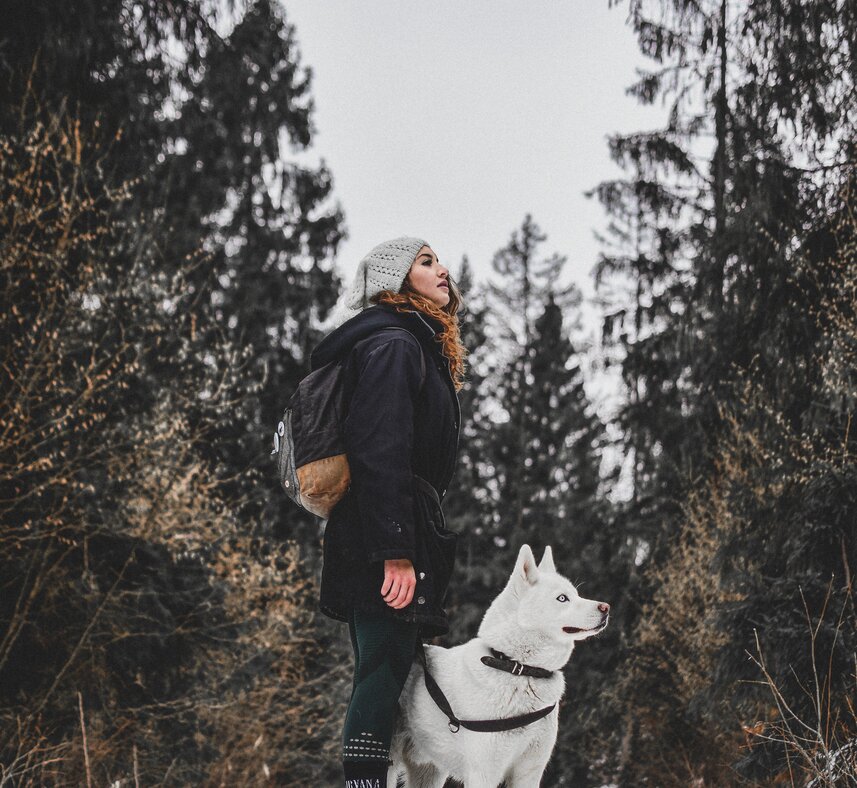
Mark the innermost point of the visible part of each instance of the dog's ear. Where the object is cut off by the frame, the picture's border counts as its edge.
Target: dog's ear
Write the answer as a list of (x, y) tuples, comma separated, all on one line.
[(546, 564), (526, 570)]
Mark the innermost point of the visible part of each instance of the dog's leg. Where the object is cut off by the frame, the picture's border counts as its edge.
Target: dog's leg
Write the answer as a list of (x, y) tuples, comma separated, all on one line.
[(423, 775), (527, 773), (479, 780), (417, 775), (394, 775), (528, 780)]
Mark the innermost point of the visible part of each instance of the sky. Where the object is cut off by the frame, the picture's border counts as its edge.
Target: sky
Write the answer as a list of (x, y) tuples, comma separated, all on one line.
[(451, 120)]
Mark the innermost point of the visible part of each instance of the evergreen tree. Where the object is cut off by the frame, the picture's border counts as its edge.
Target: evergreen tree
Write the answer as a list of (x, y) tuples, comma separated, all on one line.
[(232, 238), (565, 510), (131, 598), (469, 505), (206, 125), (710, 238), (526, 282), (545, 455), (265, 221), (563, 445)]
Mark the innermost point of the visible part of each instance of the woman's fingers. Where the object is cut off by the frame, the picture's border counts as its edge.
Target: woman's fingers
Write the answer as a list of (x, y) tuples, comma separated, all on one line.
[(400, 591), (393, 592), (399, 583), (394, 601), (402, 597)]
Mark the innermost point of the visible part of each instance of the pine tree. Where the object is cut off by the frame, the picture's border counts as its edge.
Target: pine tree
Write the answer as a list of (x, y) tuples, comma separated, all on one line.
[(566, 511), (544, 456), (206, 125), (525, 285), (710, 240), (265, 220), (563, 445), (469, 504)]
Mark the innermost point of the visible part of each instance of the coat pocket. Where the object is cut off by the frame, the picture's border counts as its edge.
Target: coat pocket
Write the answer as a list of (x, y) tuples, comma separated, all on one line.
[(441, 544)]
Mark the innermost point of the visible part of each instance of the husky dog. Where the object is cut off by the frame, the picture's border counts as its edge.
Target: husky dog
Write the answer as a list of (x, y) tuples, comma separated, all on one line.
[(534, 622)]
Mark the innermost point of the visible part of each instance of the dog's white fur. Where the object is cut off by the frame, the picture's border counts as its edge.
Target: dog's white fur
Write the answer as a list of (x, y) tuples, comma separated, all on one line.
[(525, 621)]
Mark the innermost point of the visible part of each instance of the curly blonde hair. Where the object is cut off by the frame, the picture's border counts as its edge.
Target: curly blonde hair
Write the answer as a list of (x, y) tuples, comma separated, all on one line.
[(408, 299)]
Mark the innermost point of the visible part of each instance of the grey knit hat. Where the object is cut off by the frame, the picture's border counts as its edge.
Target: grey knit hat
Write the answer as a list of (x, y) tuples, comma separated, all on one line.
[(384, 268)]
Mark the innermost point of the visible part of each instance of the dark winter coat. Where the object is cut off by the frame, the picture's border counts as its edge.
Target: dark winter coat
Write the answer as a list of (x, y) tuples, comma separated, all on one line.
[(393, 430)]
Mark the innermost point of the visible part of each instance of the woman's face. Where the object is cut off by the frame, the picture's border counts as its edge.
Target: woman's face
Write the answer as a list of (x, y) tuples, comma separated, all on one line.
[(429, 278)]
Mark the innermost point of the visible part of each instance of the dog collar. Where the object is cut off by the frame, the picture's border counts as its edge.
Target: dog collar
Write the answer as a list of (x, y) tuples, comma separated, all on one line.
[(502, 662)]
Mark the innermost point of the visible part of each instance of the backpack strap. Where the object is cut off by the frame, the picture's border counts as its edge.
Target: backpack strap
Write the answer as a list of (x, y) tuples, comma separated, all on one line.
[(422, 352)]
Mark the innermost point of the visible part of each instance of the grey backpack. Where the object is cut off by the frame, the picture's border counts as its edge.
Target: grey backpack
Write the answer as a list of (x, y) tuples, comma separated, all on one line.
[(311, 463)]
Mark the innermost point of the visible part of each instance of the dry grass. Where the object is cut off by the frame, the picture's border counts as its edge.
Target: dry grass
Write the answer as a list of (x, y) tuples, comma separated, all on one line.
[(145, 638), (684, 721)]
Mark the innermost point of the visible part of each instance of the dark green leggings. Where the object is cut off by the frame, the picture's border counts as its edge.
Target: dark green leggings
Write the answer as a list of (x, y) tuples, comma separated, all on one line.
[(383, 653)]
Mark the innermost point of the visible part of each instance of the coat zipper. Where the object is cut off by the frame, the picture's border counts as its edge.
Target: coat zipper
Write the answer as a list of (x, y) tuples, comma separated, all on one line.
[(448, 472)]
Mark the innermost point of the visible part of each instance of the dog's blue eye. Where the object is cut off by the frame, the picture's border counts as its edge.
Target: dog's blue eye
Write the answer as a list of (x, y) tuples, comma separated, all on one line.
[(562, 598)]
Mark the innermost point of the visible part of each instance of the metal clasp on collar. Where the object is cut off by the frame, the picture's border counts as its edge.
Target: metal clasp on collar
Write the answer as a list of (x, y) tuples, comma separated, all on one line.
[(454, 726)]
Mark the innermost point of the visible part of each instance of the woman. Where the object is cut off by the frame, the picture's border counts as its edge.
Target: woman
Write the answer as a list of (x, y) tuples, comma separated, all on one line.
[(388, 555)]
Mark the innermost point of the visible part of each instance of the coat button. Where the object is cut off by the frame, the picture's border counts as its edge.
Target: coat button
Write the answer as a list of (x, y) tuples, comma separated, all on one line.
[(421, 600), (422, 575)]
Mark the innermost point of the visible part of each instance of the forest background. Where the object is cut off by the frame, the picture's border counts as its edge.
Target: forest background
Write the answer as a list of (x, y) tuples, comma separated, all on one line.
[(166, 268)]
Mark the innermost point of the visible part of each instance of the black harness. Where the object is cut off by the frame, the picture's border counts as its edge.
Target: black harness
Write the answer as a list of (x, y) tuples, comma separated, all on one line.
[(500, 661)]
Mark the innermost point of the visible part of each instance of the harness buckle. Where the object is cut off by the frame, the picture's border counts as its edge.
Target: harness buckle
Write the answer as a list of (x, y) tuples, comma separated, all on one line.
[(454, 726)]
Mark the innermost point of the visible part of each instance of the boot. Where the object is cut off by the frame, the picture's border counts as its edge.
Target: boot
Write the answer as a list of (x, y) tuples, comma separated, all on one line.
[(365, 775)]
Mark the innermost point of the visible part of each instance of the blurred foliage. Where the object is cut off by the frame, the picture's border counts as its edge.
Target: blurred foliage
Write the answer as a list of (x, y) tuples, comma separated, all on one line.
[(127, 578), (165, 270), (730, 276)]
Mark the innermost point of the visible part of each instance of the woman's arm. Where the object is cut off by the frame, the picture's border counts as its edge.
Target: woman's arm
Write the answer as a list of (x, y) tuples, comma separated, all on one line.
[(379, 442), (379, 435)]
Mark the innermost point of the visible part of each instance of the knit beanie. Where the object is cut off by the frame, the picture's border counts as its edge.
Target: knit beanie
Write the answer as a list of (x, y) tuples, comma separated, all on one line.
[(384, 268)]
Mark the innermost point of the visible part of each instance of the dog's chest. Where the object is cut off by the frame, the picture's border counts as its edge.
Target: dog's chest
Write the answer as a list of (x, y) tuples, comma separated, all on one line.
[(484, 692), (468, 752), (520, 694)]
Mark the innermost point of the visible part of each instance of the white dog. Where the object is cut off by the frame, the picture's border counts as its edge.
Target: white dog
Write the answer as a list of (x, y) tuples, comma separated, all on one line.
[(533, 624)]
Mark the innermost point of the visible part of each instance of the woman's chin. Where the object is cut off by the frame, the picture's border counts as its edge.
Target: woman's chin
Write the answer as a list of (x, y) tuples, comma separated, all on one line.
[(439, 296)]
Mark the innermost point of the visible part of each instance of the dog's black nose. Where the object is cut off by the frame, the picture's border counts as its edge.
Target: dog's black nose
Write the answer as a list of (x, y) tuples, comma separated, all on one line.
[(604, 607)]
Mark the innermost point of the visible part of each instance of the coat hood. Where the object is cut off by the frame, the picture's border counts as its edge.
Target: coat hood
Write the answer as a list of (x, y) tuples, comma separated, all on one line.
[(338, 343)]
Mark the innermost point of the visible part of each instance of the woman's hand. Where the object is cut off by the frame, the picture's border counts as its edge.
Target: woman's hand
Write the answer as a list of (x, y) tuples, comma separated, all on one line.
[(399, 582)]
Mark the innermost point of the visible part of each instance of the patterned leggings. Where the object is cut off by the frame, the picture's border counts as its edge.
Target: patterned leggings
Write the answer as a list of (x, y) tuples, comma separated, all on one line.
[(383, 653)]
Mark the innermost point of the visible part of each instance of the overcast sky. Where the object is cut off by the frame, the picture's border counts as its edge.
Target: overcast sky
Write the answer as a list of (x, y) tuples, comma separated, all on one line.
[(450, 120)]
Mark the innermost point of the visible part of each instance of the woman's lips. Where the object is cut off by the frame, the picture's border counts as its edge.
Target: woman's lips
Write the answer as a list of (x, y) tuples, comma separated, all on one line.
[(445, 286)]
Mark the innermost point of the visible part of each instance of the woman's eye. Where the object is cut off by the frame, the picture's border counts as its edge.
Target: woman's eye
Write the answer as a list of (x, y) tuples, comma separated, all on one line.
[(562, 598)]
